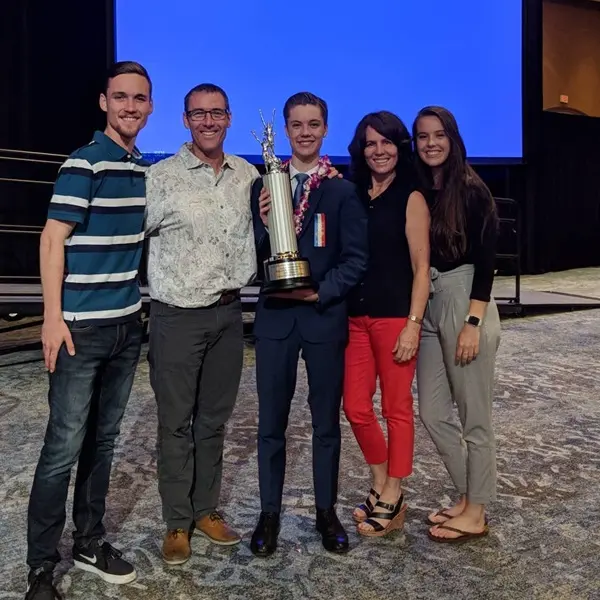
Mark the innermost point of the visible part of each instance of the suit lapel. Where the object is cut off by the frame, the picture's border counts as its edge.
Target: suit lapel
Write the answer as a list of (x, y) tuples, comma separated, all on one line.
[(313, 201)]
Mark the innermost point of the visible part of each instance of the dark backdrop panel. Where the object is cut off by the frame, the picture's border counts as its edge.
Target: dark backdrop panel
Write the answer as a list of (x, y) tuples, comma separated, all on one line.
[(54, 56), (567, 199), (533, 58)]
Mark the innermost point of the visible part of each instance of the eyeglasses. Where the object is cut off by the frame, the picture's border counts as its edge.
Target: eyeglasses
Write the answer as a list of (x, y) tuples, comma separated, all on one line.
[(217, 114)]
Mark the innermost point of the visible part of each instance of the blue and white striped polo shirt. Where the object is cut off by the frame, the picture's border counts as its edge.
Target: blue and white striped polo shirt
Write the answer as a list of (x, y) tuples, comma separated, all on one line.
[(101, 188)]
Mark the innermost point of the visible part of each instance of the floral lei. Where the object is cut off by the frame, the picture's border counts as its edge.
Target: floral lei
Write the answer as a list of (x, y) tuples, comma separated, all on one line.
[(324, 168)]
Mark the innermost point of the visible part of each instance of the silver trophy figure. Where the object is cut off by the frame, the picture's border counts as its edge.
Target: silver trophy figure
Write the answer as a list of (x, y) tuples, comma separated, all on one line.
[(285, 270)]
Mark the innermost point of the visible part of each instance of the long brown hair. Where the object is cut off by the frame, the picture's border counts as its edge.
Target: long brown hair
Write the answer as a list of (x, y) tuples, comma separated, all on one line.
[(460, 186)]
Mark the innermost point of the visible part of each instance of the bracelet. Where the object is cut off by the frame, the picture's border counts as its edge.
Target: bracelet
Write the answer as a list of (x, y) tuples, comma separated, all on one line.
[(417, 320)]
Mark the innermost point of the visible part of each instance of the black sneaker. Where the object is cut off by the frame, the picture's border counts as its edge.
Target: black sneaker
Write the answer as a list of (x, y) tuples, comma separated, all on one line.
[(105, 561), (39, 586)]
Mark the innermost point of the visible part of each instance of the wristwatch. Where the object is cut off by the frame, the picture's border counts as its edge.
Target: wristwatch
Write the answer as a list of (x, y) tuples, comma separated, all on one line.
[(471, 320)]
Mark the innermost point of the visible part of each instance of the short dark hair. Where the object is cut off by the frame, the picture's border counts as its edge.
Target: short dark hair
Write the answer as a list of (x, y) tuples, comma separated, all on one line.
[(127, 67), (208, 88), (392, 128), (305, 99)]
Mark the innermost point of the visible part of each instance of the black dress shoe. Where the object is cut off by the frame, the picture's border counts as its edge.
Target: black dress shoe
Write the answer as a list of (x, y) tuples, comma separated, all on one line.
[(332, 531), (264, 538)]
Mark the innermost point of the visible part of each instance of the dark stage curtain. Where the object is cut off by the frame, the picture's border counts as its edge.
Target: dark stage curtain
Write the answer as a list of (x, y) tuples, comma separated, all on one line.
[(567, 198), (54, 57)]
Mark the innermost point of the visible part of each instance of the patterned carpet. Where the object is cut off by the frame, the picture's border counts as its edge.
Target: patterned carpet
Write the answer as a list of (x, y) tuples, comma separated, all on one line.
[(545, 537)]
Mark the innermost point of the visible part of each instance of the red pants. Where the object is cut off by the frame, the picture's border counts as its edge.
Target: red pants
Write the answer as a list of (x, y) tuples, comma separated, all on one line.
[(368, 356)]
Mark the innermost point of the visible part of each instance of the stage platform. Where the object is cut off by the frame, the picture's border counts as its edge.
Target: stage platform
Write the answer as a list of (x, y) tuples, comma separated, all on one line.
[(577, 289), (25, 299), (533, 302), (22, 303)]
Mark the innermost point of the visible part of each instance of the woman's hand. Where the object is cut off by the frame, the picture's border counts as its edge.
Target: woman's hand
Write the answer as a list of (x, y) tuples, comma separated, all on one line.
[(467, 345), (407, 343)]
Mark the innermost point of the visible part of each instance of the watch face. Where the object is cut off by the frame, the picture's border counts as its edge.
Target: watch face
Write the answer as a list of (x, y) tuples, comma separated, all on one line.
[(473, 320)]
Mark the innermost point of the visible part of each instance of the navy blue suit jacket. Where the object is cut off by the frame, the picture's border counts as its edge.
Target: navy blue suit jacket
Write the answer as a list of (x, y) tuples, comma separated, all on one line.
[(336, 267)]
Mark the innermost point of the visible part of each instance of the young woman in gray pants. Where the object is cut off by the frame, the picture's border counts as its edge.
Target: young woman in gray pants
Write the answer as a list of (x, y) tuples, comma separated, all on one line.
[(461, 328)]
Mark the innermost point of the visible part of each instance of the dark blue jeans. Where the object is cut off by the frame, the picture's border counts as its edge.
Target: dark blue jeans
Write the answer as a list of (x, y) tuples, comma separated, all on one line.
[(88, 395)]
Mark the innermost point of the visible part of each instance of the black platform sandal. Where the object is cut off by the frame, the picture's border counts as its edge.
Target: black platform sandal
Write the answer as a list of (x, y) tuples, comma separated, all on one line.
[(395, 519), (367, 507)]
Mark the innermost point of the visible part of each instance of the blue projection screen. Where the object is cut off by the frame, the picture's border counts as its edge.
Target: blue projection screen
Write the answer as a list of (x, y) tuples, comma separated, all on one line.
[(360, 56)]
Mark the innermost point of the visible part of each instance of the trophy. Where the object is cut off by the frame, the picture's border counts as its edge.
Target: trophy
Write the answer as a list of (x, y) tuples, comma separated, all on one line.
[(285, 270)]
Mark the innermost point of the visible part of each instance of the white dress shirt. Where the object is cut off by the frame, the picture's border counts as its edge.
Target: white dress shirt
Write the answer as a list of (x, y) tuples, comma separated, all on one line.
[(294, 172)]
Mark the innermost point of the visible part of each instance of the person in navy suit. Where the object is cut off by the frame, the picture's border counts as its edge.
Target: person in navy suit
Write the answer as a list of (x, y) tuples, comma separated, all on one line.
[(331, 225)]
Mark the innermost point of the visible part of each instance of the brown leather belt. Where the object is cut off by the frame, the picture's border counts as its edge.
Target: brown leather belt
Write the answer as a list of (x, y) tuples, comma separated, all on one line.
[(228, 297)]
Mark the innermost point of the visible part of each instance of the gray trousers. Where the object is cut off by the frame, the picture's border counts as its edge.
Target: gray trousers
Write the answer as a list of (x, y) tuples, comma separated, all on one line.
[(469, 449), (196, 358)]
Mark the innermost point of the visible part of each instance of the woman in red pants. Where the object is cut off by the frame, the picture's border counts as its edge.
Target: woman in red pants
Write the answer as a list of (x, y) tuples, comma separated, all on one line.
[(386, 312)]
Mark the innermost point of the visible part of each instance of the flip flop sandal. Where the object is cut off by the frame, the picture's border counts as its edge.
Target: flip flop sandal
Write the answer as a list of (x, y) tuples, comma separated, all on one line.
[(367, 507), (439, 513), (443, 513), (465, 536)]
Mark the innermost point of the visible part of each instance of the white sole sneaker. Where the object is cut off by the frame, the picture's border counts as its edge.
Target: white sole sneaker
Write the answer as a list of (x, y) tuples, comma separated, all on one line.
[(108, 577)]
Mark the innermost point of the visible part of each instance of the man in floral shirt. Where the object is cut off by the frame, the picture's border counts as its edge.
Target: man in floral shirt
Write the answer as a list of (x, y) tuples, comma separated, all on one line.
[(201, 252)]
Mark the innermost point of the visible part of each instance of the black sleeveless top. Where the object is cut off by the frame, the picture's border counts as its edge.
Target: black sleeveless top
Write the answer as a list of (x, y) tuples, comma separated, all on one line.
[(482, 236), (387, 286)]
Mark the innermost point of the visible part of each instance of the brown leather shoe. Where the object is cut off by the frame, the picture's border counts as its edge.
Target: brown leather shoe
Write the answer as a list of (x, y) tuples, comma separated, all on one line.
[(176, 548), (216, 530)]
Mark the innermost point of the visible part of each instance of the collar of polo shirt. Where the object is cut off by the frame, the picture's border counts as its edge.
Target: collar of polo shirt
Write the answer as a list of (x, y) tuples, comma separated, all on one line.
[(191, 161), (113, 149)]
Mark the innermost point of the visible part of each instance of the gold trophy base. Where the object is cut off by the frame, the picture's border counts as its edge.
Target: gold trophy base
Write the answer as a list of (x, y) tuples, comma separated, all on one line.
[(286, 273)]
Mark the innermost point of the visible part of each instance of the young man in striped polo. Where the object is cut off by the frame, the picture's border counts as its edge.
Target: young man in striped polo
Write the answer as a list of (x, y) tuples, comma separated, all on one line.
[(90, 252)]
